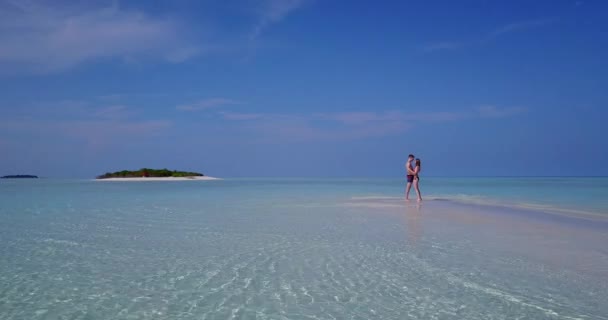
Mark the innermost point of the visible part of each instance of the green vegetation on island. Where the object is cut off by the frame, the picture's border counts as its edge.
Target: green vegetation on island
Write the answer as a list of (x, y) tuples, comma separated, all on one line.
[(20, 176), (145, 172)]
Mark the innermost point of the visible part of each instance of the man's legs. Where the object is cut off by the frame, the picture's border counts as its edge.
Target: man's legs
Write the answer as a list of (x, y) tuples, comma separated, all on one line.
[(407, 191)]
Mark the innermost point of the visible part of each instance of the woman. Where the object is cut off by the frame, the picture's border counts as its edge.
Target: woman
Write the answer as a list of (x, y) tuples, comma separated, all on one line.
[(417, 179)]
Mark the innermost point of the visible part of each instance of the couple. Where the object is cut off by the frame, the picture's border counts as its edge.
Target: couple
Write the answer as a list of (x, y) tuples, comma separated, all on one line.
[(412, 177)]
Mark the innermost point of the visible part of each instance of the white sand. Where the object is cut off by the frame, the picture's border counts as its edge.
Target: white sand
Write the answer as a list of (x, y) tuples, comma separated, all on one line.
[(160, 179)]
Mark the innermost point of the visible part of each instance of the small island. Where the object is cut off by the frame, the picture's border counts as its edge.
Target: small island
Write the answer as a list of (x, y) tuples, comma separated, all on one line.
[(19, 176), (146, 174)]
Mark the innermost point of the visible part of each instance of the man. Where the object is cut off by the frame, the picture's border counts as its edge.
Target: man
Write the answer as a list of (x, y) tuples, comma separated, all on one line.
[(409, 166)]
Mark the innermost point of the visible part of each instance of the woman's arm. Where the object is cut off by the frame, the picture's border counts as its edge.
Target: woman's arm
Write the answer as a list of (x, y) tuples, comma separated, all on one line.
[(416, 170), (409, 170)]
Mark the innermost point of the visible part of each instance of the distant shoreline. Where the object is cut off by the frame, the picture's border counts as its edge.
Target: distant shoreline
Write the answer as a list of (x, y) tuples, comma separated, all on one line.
[(20, 176), (141, 179)]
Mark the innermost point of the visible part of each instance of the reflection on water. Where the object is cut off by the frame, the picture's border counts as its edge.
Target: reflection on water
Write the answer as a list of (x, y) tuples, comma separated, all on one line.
[(413, 223)]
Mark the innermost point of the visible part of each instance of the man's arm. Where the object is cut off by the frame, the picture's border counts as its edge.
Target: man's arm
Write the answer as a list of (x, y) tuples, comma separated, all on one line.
[(409, 169)]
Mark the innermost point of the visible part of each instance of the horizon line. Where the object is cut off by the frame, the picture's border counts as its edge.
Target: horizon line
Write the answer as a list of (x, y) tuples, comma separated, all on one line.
[(361, 177)]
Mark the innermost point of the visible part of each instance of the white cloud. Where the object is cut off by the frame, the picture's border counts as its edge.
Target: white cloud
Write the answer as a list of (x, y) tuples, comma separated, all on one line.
[(113, 112), (439, 46), (273, 11), (339, 126), (46, 36), (206, 104), (520, 25), (490, 111), (354, 118), (241, 116), (490, 36), (94, 125), (39, 38)]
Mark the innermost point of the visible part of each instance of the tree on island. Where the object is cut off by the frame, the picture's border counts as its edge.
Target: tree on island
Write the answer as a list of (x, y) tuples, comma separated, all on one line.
[(19, 176), (145, 172)]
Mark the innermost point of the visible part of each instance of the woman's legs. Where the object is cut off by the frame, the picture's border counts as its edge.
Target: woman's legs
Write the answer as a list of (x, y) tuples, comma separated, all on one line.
[(417, 188)]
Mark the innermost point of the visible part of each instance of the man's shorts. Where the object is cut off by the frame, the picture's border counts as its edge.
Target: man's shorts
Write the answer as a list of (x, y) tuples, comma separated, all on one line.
[(410, 178)]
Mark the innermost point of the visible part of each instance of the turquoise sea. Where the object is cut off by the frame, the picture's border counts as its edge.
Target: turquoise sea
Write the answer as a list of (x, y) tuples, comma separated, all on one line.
[(475, 248)]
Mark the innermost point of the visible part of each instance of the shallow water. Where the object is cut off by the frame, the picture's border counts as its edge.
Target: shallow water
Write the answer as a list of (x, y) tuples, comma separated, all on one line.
[(287, 249)]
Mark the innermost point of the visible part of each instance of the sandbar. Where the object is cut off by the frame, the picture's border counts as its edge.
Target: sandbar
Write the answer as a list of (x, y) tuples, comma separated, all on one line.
[(140, 179)]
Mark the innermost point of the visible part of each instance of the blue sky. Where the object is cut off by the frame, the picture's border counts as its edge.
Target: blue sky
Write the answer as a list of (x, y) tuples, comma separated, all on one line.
[(304, 88)]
